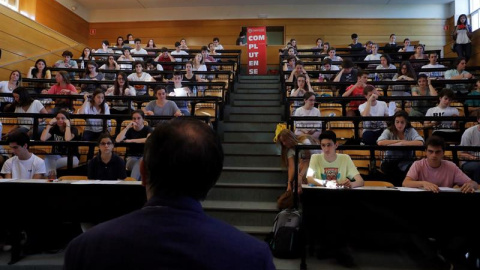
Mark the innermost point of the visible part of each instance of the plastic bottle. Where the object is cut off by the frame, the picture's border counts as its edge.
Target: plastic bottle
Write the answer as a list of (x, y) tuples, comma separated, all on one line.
[(82, 65), (376, 77), (320, 77)]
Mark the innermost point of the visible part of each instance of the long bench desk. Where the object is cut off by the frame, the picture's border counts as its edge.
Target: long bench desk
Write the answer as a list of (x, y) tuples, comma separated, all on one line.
[(381, 209)]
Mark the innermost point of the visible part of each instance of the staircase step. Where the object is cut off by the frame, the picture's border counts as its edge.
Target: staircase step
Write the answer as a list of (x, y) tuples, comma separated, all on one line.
[(242, 213), (238, 102), (257, 91), (245, 81), (246, 192), (248, 126), (253, 109), (251, 148), (237, 96), (254, 175), (248, 136), (252, 160), (259, 77), (255, 85), (255, 117)]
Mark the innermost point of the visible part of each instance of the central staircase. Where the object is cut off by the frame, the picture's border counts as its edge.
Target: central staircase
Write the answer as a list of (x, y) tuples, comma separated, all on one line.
[(252, 178)]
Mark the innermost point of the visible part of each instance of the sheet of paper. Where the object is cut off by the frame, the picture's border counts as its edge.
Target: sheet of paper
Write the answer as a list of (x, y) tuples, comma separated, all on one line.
[(408, 189), (95, 182), (6, 180), (180, 92)]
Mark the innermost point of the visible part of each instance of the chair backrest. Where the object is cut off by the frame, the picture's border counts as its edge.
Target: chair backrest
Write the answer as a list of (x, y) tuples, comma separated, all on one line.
[(374, 183), (73, 177)]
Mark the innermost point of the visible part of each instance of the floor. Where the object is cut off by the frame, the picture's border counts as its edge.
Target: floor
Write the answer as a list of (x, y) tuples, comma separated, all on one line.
[(374, 257)]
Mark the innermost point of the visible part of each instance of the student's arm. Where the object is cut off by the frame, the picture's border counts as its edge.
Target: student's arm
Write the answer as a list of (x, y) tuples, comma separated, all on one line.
[(290, 172), (290, 78), (121, 136), (84, 109), (339, 75), (467, 156), (358, 181), (433, 91), (46, 132), (409, 182), (368, 106)]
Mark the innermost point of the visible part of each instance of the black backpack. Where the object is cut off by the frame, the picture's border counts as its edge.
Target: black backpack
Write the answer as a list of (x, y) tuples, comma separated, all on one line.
[(285, 238)]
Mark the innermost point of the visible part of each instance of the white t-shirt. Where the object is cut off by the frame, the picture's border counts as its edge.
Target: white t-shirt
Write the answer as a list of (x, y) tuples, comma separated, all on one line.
[(179, 53), (141, 51), (317, 125), (24, 169), (27, 122), (373, 57), (445, 126), (433, 74), (380, 109), (4, 89), (95, 125)]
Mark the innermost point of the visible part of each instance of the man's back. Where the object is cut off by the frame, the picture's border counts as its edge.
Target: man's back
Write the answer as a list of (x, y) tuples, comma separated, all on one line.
[(167, 234)]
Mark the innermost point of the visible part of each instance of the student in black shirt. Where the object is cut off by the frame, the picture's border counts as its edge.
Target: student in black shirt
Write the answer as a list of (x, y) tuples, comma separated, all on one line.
[(106, 165)]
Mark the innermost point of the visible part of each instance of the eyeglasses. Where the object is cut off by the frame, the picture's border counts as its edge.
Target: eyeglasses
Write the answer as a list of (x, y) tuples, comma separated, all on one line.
[(106, 143)]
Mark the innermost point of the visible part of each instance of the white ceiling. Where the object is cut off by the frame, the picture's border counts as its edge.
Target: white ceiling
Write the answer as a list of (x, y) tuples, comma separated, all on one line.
[(148, 4)]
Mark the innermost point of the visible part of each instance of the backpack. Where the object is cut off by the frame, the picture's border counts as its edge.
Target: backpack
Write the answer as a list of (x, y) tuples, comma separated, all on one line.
[(285, 237)]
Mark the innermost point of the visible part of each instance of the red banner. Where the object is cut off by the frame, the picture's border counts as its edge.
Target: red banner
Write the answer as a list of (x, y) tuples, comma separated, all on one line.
[(257, 50)]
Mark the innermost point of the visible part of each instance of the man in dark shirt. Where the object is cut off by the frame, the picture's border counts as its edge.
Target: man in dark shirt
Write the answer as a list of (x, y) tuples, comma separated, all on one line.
[(347, 74), (182, 161)]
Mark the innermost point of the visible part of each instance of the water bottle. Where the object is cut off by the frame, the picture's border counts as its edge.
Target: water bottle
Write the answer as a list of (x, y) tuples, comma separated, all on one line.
[(320, 77), (82, 65), (194, 91), (376, 77)]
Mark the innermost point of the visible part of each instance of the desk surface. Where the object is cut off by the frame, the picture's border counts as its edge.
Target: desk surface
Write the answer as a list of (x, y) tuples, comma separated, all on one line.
[(24, 200)]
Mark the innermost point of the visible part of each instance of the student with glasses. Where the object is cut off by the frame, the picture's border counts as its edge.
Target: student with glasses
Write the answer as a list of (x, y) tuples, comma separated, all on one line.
[(106, 165), (91, 73)]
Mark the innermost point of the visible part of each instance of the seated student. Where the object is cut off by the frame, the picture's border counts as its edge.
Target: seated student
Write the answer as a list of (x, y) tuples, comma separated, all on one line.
[(385, 63), (290, 63), (368, 48), (356, 90), (178, 51), (140, 76), (332, 55), (444, 129), (399, 133), (373, 107), (150, 45), (177, 84), (374, 55), (24, 164), (405, 73), (138, 50), (299, 69), (161, 106), (318, 46), (458, 73), (39, 71), (216, 43), (302, 86), (111, 64), (24, 103), (121, 88), (313, 128), (330, 169), (391, 46), (136, 133), (130, 41), (166, 57), (106, 165), (92, 74), (355, 44), (67, 62), (327, 66), (418, 55), (94, 104), (433, 57), (150, 65), (433, 171), (471, 137), (346, 74), (242, 39), (208, 58), (62, 87), (126, 57), (422, 89), (14, 81), (105, 49), (288, 140), (474, 104), (406, 46), (183, 44), (60, 129)]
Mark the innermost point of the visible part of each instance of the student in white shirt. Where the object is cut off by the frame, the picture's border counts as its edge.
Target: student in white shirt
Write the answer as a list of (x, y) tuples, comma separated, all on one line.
[(432, 57), (373, 107), (138, 49), (23, 165)]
